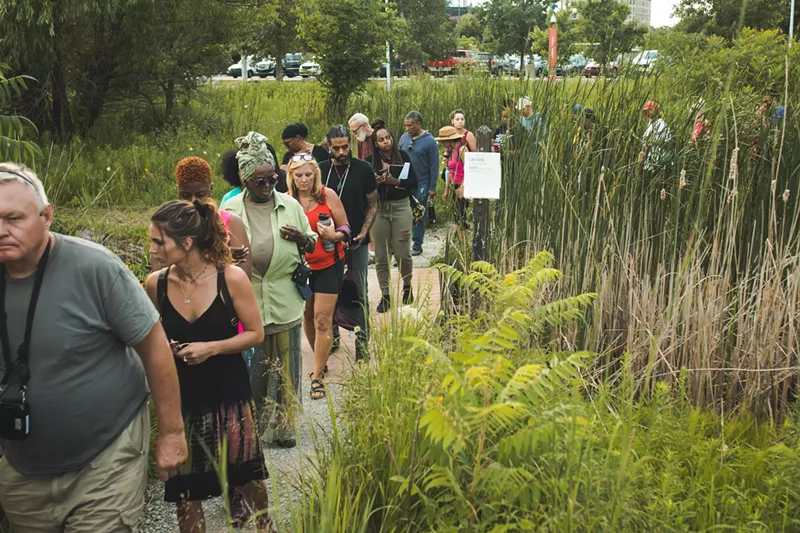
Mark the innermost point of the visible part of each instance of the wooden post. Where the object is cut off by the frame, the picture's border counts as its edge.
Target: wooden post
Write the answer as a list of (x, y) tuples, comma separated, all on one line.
[(480, 210)]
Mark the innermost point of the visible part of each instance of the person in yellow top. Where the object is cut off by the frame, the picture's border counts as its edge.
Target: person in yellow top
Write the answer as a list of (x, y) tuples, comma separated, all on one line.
[(279, 233)]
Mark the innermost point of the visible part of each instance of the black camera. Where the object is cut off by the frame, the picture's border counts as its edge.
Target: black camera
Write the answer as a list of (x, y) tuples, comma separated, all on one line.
[(15, 419)]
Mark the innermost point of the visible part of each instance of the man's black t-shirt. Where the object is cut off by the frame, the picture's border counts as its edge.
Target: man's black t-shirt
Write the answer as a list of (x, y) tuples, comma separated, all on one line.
[(319, 153), (352, 183)]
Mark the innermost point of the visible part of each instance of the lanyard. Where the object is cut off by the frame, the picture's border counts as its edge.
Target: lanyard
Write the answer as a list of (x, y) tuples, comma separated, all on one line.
[(24, 349), (342, 181)]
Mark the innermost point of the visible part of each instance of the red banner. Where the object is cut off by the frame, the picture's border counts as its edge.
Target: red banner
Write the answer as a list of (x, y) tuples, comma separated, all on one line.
[(553, 47)]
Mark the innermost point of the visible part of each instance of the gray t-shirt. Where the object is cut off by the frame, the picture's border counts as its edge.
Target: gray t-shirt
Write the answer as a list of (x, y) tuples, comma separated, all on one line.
[(86, 382)]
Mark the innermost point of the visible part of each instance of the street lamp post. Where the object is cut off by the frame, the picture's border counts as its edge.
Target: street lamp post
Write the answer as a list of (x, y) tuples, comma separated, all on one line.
[(791, 26), (388, 60)]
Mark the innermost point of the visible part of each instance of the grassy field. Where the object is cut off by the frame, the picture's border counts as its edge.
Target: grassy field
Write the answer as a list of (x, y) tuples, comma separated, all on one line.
[(657, 394)]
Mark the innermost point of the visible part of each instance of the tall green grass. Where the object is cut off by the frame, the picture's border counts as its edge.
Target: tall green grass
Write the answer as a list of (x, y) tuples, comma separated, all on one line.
[(483, 425)]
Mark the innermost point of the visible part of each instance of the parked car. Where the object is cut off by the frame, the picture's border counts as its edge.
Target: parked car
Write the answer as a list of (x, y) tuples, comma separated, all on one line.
[(645, 60), (450, 65), (539, 66), (309, 68), (235, 70), (576, 64), (483, 61), (592, 68), (265, 67), (398, 69), (291, 64)]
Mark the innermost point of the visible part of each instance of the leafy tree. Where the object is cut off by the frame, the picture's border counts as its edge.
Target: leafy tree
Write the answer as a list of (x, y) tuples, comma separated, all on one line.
[(270, 29), (89, 54), (604, 23), (568, 38), (348, 38), (470, 26), (422, 30), (509, 24), (14, 127), (725, 17)]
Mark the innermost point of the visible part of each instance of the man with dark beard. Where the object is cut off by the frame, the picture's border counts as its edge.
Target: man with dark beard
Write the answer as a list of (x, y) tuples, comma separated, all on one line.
[(354, 182)]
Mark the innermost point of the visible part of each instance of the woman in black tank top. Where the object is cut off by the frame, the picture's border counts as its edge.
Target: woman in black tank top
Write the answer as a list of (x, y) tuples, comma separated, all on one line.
[(202, 299)]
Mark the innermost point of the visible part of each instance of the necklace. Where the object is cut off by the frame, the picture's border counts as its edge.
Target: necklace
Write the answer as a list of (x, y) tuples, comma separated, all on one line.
[(187, 298)]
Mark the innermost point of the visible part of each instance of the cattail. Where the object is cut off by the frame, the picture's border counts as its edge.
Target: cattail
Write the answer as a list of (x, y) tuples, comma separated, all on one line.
[(602, 173), (663, 194), (683, 179), (773, 186), (786, 195), (734, 159), (641, 157)]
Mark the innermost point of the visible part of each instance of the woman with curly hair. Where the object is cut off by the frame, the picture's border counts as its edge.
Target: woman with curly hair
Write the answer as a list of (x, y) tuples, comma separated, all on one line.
[(202, 300), (193, 178)]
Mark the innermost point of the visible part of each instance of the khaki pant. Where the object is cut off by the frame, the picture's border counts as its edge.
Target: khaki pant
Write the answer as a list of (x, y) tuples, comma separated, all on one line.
[(391, 234), (105, 496)]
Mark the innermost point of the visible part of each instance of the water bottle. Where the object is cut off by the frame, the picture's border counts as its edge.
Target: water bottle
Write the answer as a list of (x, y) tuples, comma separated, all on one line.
[(325, 220), (431, 212)]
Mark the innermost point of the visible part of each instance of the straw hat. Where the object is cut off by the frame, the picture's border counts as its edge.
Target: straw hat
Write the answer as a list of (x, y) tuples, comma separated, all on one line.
[(448, 133)]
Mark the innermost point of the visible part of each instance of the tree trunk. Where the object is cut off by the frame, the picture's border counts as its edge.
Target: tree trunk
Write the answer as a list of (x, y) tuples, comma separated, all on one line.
[(62, 117), (169, 97), (279, 53)]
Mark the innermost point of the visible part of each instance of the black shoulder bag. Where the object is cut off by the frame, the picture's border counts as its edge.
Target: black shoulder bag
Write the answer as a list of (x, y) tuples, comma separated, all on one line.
[(15, 415)]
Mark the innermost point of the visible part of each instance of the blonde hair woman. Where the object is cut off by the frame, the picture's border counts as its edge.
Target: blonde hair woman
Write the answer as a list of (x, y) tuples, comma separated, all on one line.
[(326, 215)]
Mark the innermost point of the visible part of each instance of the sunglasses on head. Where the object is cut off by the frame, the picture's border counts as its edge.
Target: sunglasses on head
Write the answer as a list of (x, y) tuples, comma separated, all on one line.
[(303, 157), (263, 182)]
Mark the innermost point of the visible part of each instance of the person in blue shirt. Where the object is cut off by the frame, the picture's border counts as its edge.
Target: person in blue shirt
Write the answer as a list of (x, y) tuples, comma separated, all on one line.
[(423, 150)]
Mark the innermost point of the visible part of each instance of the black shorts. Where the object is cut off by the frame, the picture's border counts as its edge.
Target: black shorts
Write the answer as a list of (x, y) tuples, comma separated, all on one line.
[(328, 280)]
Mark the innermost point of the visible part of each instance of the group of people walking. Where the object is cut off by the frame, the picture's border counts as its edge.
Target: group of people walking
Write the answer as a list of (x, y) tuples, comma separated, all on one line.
[(215, 336)]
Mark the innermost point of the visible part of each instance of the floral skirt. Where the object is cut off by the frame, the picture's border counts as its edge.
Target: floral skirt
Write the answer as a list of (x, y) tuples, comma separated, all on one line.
[(223, 445)]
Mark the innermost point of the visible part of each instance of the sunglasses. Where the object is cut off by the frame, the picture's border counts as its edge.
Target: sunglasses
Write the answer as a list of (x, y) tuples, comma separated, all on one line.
[(303, 157), (263, 182)]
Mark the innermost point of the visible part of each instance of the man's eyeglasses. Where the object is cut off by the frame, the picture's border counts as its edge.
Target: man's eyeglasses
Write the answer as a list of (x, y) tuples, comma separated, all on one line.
[(303, 157), (355, 131), (263, 182)]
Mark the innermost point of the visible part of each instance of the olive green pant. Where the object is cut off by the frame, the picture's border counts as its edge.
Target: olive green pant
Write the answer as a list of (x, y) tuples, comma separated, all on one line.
[(104, 496), (391, 235)]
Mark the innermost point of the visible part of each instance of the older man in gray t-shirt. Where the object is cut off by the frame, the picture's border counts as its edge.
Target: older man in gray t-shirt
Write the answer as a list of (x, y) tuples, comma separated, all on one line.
[(83, 465)]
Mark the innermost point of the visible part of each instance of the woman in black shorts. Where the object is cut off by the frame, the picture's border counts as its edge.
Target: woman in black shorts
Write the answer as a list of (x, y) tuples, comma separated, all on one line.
[(325, 215)]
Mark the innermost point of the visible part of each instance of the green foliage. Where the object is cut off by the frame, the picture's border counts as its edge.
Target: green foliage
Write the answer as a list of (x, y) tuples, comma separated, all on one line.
[(604, 23), (348, 37), (726, 17), (444, 430), (752, 61), (422, 30), (568, 38), (509, 23), (268, 29), (13, 128)]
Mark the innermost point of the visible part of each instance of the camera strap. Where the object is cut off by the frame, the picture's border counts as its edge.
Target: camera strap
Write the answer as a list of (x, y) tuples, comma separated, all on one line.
[(24, 368)]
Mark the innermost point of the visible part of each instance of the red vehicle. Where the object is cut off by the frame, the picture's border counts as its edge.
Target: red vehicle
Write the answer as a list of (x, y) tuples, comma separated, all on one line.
[(450, 65)]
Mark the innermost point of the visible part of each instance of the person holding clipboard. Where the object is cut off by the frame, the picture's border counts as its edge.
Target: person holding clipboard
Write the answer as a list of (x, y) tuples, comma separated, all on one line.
[(391, 232)]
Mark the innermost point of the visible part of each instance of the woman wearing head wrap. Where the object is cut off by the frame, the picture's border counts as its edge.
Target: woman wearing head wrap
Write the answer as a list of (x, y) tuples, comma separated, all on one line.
[(294, 139), (279, 232), (230, 173)]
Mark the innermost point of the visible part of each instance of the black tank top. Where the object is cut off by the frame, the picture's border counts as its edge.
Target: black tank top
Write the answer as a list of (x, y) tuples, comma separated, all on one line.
[(221, 379)]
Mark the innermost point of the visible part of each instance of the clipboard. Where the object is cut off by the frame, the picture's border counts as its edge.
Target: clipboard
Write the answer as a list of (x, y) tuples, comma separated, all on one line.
[(400, 172)]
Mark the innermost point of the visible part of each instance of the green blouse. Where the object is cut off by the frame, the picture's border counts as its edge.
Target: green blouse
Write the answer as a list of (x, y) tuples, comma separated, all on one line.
[(278, 298)]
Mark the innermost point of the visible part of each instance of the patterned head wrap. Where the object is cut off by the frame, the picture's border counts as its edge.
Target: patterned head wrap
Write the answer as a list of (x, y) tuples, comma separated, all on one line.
[(252, 154)]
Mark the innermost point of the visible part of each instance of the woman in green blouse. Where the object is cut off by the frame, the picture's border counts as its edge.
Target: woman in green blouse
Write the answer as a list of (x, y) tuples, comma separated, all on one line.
[(279, 232)]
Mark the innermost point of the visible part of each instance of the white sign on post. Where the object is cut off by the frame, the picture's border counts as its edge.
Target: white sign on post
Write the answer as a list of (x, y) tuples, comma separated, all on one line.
[(482, 175)]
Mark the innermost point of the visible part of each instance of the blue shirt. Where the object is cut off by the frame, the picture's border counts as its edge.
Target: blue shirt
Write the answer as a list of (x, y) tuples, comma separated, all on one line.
[(230, 194), (424, 154)]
